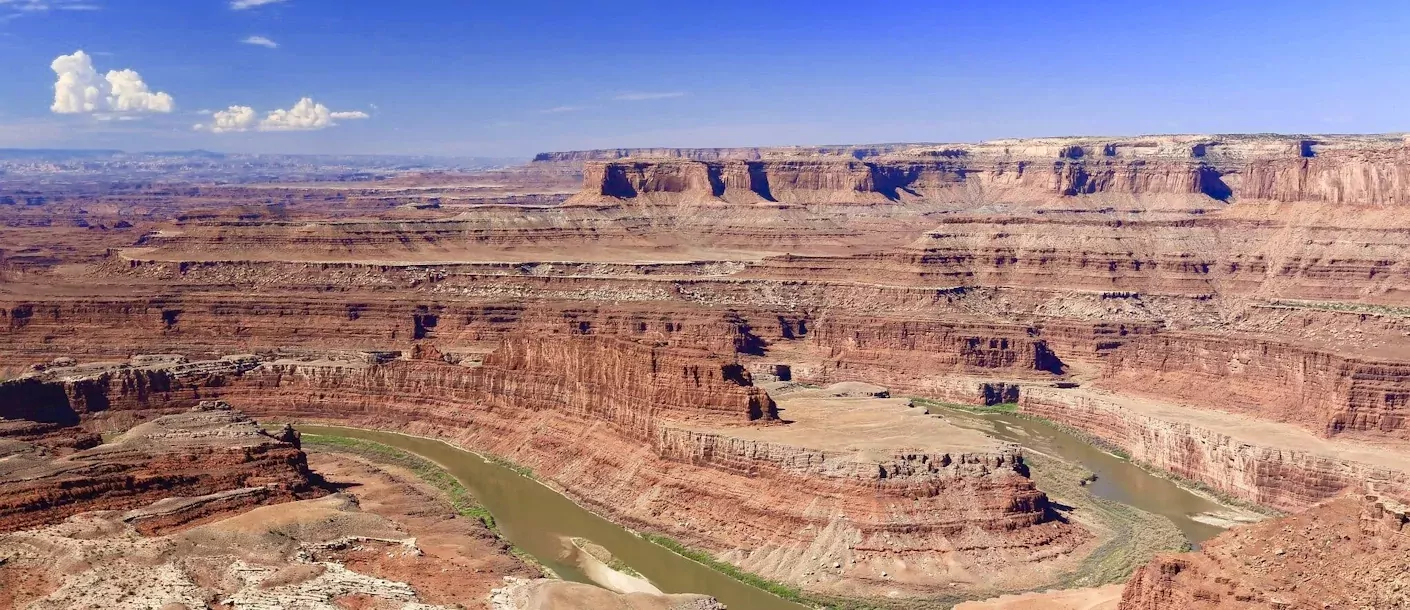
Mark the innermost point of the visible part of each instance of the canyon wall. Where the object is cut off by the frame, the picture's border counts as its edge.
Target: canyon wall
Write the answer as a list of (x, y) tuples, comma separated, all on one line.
[(1231, 309), (1327, 393), (1277, 470)]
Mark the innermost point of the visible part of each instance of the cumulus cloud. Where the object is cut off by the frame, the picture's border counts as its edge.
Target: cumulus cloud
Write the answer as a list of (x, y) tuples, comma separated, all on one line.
[(234, 118), (637, 96), (305, 115), (79, 90), (241, 5), (261, 41)]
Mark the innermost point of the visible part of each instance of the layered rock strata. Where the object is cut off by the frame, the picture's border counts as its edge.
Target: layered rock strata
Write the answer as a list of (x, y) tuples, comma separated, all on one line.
[(1267, 464), (1194, 170), (1325, 392), (1259, 280), (209, 451)]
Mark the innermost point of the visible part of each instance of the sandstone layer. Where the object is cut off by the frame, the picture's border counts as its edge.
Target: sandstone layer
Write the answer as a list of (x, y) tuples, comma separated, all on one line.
[(210, 452), (1367, 170)]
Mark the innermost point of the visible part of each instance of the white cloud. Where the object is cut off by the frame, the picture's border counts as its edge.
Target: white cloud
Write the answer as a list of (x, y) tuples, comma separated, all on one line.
[(241, 5), (234, 118), (637, 96), (558, 109), (130, 94), (79, 90), (261, 41), (305, 115)]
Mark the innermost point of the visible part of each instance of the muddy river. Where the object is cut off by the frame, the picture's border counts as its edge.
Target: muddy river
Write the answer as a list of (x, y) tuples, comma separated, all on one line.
[(537, 519), (1117, 478)]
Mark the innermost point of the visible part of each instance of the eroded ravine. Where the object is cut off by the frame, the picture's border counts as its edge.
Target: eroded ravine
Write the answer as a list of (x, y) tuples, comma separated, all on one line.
[(537, 519)]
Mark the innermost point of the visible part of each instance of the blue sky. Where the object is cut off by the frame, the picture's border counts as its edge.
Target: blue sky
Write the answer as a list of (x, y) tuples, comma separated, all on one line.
[(513, 78)]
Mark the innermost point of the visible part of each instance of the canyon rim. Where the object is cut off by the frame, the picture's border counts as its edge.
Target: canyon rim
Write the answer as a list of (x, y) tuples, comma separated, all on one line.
[(784, 362)]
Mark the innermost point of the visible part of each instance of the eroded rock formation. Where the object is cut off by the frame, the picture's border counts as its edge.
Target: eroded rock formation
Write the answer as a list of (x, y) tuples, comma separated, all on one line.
[(1346, 553), (211, 453)]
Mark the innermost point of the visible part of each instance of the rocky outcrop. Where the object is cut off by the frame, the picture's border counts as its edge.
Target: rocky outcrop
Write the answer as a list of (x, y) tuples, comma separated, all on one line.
[(383, 541), (209, 451), (1347, 553), (905, 352)]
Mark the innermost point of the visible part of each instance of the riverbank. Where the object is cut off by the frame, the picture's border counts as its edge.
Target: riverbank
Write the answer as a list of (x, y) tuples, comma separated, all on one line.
[(1129, 536), (1132, 536), (1200, 515)]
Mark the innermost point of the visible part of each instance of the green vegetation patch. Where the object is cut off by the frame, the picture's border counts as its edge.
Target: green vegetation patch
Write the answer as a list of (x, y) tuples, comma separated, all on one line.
[(728, 569), (1003, 407), (523, 471)]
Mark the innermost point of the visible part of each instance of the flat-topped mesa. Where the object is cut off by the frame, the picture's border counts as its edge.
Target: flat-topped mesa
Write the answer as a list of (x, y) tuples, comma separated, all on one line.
[(719, 154), (1179, 171), (629, 383), (55, 398)]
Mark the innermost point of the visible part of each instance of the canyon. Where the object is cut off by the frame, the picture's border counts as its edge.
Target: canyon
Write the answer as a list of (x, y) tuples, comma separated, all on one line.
[(674, 339)]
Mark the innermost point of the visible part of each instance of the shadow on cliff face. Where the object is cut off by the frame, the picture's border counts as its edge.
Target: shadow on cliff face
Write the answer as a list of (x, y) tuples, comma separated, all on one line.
[(36, 401), (1211, 183), (617, 184), (891, 181), (759, 181), (745, 341), (1045, 359), (736, 374)]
